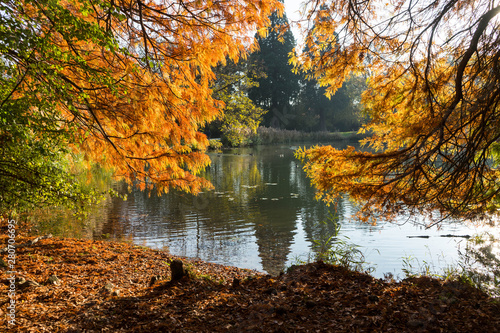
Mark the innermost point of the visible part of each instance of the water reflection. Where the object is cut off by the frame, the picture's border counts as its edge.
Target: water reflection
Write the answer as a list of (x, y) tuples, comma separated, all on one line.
[(261, 215), (250, 219)]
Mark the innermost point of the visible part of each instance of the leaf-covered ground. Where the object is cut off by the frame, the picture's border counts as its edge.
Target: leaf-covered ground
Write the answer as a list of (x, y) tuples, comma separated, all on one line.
[(70, 285)]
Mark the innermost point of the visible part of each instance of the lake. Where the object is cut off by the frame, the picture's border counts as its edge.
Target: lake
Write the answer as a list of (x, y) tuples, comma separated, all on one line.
[(262, 215)]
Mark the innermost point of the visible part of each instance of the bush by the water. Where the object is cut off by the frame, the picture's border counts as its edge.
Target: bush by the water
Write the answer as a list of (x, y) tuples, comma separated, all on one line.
[(270, 135), (214, 144)]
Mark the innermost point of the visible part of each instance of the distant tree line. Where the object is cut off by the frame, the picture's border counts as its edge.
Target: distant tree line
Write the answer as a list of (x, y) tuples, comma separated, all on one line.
[(264, 90)]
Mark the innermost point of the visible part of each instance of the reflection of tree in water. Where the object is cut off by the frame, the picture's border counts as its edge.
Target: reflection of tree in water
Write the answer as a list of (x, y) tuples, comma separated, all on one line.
[(62, 222), (137, 215), (252, 213), (275, 232), (318, 213), (208, 225), (275, 235), (246, 177)]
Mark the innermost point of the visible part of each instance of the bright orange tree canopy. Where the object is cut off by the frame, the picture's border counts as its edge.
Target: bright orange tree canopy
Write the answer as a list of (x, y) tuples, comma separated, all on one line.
[(131, 78)]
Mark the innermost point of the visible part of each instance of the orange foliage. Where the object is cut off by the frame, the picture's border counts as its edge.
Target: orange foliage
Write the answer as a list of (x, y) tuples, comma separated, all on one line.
[(433, 103), (117, 287), (138, 106)]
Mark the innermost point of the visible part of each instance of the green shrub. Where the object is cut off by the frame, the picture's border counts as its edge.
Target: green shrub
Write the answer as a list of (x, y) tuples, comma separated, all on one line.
[(214, 144), (236, 136)]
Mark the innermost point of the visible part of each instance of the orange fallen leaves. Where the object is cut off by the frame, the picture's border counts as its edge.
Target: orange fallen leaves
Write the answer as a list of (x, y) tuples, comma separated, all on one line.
[(314, 297)]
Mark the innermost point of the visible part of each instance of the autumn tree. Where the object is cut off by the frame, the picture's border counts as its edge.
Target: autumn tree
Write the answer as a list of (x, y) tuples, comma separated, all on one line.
[(127, 83), (433, 101)]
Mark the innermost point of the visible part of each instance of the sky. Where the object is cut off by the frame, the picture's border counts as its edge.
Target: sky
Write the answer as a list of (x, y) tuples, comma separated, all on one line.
[(292, 8)]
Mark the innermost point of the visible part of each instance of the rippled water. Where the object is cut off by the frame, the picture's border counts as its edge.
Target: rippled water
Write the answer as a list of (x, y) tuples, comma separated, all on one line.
[(262, 215)]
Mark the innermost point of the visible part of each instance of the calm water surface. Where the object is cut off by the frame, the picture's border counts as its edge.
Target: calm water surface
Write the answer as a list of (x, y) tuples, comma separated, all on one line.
[(262, 215)]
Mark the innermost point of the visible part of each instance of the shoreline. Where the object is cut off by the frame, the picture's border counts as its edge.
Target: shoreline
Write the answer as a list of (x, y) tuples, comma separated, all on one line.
[(75, 284)]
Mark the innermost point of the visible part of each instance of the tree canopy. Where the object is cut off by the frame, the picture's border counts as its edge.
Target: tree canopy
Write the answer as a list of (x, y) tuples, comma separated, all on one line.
[(241, 116), (339, 112), (126, 82), (433, 103), (276, 90)]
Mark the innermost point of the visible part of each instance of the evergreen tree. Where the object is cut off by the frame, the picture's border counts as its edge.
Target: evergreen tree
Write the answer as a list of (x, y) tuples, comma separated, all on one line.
[(317, 112), (340, 112), (276, 92)]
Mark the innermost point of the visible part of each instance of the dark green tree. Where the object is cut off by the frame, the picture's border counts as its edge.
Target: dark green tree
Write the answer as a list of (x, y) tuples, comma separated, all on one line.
[(276, 92), (316, 112), (339, 112)]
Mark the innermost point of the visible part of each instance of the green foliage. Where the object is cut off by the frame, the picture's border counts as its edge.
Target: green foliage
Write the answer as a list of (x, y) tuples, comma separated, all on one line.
[(412, 267), (214, 144), (241, 117), (34, 163), (67, 220), (34, 136), (35, 159), (236, 135), (270, 135), (341, 112)]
